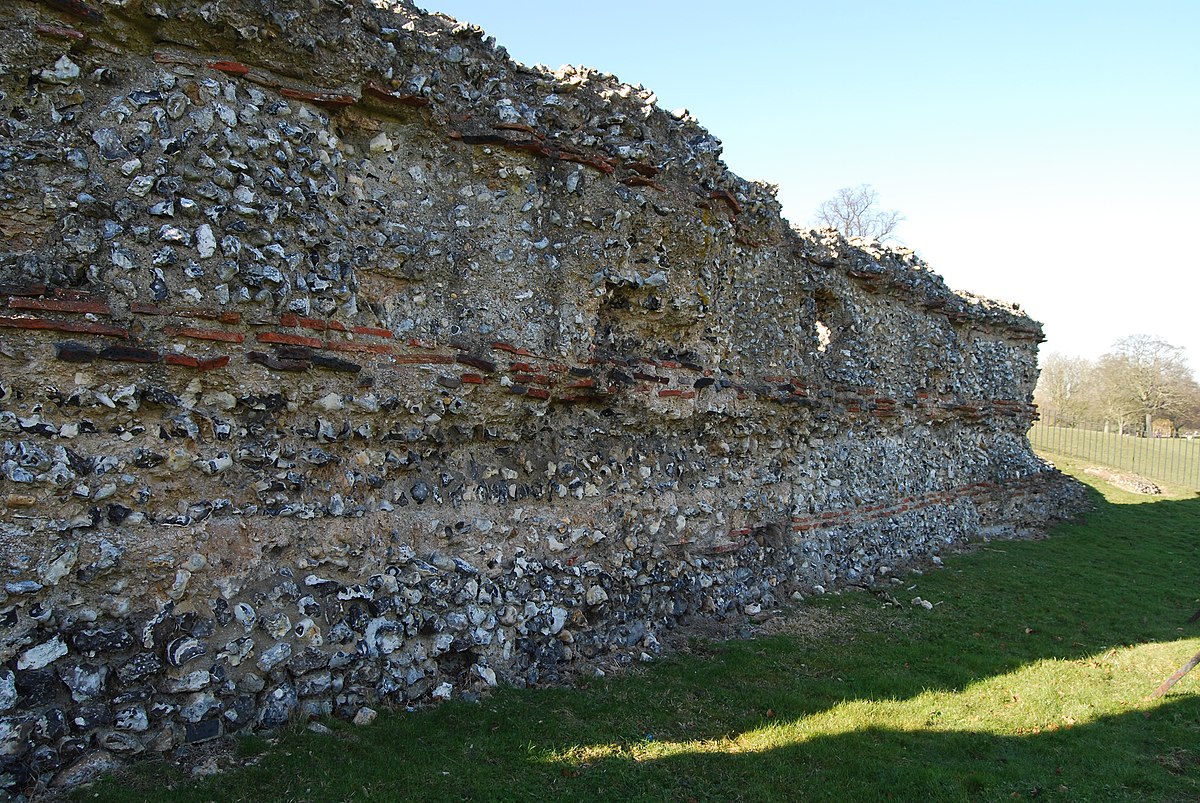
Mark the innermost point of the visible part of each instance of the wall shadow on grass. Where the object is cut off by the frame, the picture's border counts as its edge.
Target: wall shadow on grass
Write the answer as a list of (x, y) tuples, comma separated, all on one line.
[(1133, 756)]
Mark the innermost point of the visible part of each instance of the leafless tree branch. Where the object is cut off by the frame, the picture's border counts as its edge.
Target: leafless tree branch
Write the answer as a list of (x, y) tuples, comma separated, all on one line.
[(852, 212)]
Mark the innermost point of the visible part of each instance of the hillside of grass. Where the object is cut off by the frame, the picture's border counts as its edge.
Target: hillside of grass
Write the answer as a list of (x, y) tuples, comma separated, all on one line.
[(1029, 677)]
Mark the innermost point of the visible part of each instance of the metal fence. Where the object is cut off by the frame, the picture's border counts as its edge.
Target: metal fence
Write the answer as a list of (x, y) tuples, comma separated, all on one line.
[(1165, 460)]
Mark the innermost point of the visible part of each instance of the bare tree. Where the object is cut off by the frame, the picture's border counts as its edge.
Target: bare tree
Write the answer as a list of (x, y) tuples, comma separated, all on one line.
[(1188, 416), (853, 212), (1115, 402), (1067, 389), (1153, 376)]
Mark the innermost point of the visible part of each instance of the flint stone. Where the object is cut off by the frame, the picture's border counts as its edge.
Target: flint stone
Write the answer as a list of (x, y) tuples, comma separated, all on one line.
[(87, 768), (8, 689), (64, 72), (314, 684), (278, 707), (37, 686), (86, 681), (184, 649), (14, 736), (43, 654), (120, 742), (133, 718), (274, 656), (203, 731), (192, 681), (198, 707), (91, 641), (91, 715), (240, 712), (139, 668)]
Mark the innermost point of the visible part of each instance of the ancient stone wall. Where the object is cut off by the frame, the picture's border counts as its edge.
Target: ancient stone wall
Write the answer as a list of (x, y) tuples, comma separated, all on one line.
[(345, 360)]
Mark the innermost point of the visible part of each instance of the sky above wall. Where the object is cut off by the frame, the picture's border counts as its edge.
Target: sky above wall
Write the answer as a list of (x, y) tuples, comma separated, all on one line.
[(1043, 153)]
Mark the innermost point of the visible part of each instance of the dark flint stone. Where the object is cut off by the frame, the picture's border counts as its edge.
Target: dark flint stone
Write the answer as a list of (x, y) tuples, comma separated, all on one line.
[(18, 732), (221, 611), (183, 650), (271, 402), (44, 758), (117, 513), (36, 687), (357, 617), (51, 725), (202, 731), (86, 681), (160, 396), (310, 659), (79, 464), (240, 713), (109, 140), (16, 773), (141, 97), (144, 458), (90, 641), (199, 626), (140, 667), (199, 511), (278, 706), (72, 748), (137, 144), (318, 456), (40, 428), (92, 715)]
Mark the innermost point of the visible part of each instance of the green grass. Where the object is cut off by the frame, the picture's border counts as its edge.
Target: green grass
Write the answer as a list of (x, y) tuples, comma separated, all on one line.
[(1172, 461), (1028, 678)]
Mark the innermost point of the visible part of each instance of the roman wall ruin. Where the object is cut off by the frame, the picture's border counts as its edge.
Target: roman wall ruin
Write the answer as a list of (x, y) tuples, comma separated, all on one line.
[(344, 361)]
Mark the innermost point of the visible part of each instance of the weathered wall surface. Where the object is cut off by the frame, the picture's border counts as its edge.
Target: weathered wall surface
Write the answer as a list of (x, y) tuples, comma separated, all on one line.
[(345, 360)]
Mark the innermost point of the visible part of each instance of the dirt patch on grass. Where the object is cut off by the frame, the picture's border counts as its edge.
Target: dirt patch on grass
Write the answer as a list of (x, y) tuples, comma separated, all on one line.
[(1126, 482), (864, 611)]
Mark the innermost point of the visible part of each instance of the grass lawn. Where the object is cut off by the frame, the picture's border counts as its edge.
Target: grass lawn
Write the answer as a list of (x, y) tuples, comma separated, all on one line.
[(1173, 461), (1028, 678)]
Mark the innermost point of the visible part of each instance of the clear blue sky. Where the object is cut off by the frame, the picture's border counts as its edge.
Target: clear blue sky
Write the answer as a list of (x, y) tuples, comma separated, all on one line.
[(1046, 153)]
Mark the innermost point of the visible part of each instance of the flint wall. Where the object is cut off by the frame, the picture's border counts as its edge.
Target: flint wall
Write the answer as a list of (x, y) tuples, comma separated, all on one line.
[(345, 360)]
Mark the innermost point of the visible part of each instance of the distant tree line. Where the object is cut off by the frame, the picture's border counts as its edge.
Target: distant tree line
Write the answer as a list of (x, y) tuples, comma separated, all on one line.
[(1143, 386)]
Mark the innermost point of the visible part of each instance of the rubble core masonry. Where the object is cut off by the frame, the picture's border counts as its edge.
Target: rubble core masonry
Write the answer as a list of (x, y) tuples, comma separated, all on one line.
[(344, 360)]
